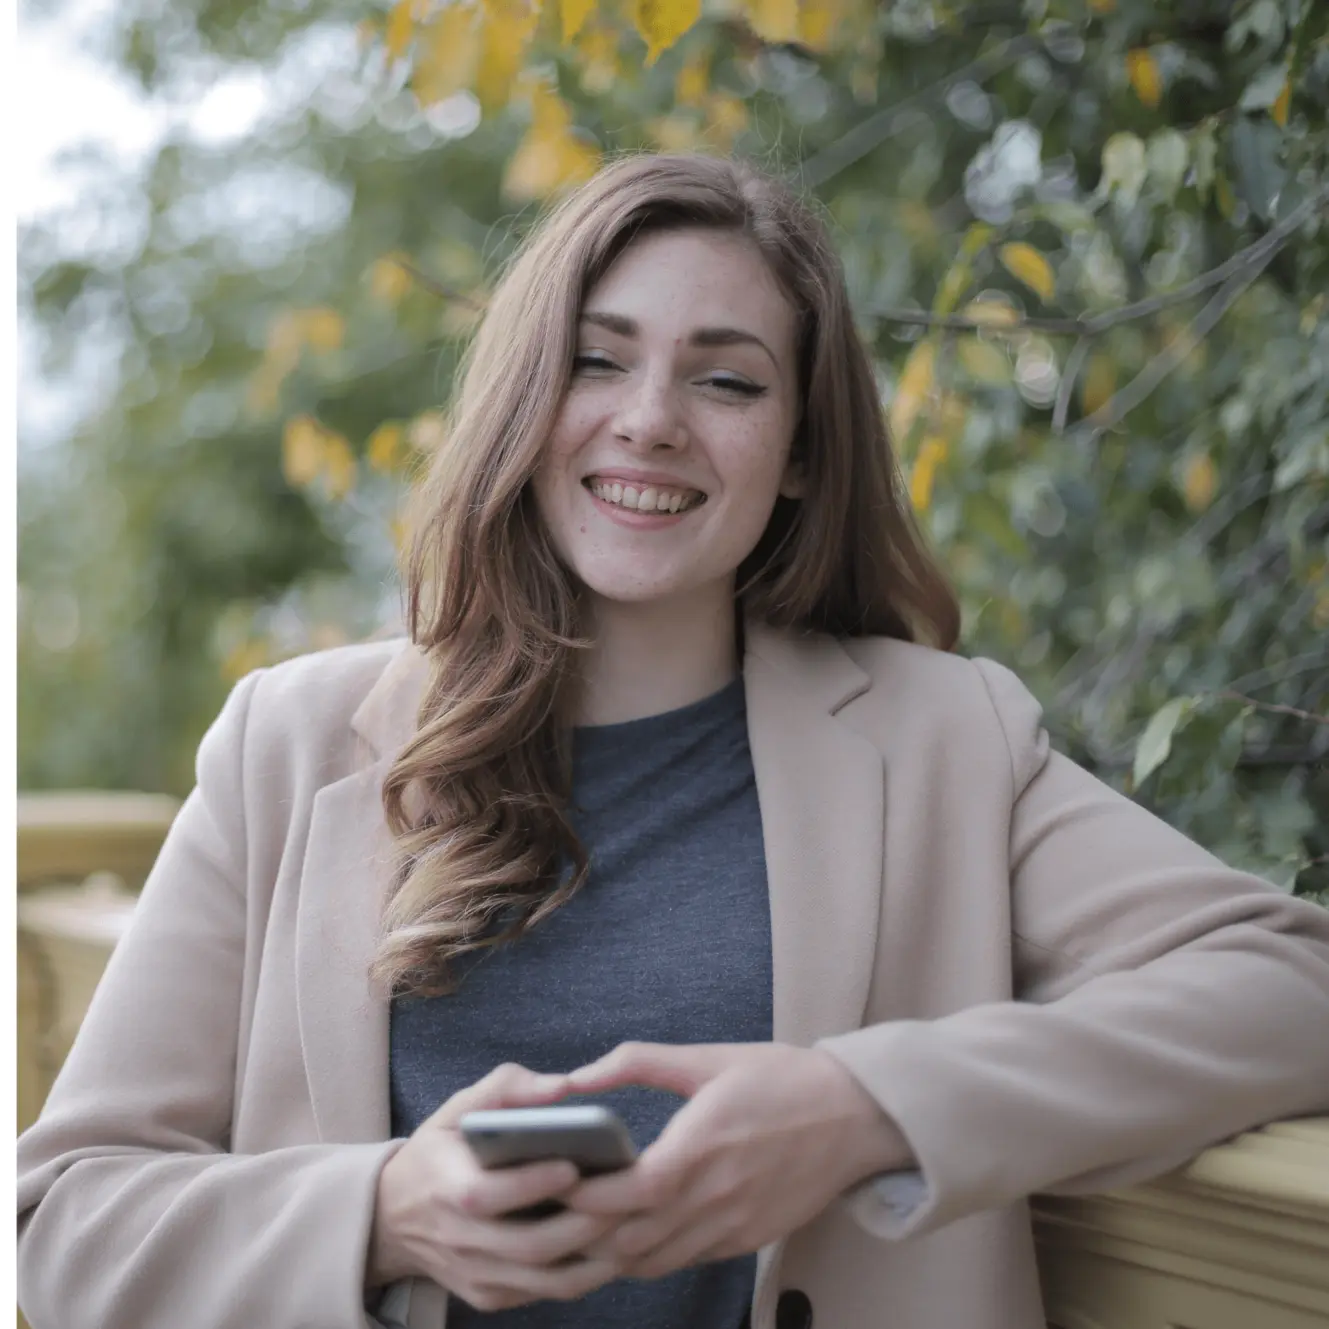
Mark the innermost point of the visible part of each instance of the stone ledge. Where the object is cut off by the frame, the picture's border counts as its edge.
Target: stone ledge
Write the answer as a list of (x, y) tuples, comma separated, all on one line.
[(1237, 1239), (67, 836)]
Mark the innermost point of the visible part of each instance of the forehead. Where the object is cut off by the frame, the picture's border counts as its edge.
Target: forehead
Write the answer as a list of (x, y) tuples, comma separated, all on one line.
[(677, 280)]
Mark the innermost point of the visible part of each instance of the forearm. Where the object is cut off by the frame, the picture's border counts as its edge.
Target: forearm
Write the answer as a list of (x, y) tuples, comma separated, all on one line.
[(144, 1241), (1123, 1078)]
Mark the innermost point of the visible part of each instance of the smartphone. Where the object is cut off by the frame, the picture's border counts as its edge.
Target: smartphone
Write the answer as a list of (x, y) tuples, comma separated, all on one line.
[(594, 1138)]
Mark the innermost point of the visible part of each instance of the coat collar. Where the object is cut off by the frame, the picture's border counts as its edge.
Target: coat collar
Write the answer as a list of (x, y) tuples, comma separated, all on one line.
[(812, 666)]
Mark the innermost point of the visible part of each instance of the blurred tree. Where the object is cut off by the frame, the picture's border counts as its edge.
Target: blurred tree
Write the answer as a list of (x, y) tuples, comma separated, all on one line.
[(1086, 240)]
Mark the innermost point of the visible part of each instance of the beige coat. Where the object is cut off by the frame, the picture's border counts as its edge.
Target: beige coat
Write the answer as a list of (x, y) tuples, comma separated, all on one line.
[(1046, 987)]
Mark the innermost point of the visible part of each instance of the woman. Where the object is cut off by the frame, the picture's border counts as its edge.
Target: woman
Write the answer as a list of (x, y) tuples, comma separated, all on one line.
[(675, 791)]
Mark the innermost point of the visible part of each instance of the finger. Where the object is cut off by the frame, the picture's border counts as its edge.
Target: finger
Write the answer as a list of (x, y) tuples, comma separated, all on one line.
[(491, 1193), (508, 1085), (538, 1244), (679, 1068), (491, 1284), (692, 1243), (651, 1183)]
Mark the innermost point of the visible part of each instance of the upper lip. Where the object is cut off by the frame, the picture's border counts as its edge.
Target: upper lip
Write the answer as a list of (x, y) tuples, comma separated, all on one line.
[(628, 476)]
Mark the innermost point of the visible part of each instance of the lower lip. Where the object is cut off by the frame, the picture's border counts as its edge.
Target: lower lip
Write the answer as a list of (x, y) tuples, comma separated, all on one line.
[(641, 521)]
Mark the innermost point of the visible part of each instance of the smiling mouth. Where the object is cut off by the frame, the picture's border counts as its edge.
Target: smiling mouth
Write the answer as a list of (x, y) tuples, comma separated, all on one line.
[(644, 498)]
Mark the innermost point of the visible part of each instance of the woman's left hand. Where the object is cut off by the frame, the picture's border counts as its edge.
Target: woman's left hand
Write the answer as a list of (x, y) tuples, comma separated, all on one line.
[(771, 1135)]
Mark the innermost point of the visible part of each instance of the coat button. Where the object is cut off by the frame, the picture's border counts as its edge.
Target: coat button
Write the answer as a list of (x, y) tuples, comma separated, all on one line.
[(793, 1310)]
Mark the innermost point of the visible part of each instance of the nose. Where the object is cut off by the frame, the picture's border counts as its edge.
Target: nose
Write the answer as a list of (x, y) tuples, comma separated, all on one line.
[(649, 415)]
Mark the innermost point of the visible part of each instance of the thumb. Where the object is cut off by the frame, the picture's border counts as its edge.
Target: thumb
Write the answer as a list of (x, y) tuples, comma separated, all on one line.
[(681, 1068)]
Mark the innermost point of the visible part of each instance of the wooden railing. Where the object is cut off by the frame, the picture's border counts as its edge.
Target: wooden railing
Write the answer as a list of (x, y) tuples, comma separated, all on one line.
[(1239, 1239)]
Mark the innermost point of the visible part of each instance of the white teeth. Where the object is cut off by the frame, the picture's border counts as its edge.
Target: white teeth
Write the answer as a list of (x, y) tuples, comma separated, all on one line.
[(649, 499)]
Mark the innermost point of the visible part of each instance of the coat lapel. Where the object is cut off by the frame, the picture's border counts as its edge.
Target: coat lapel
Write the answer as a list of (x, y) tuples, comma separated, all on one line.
[(347, 867), (821, 788)]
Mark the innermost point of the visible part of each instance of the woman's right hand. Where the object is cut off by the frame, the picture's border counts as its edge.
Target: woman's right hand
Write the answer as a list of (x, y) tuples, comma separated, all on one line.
[(438, 1214)]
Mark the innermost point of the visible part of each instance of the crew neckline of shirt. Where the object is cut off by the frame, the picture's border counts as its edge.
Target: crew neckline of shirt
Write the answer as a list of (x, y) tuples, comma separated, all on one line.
[(714, 706)]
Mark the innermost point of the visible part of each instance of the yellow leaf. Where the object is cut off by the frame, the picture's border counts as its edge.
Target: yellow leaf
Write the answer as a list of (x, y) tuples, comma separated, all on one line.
[(385, 447), (726, 119), (923, 473), (912, 390), (975, 239), (449, 45), (401, 24), (991, 313), (953, 285), (1199, 482), (286, 339), (339, 465), (819, 23), (1103, 6), (598, 59), (388, 280), (1282, 104), (427, 431), (574, 14), (693, 82), (773, 20), (551, 156), (1099, 382), (674, 133), (1026, 263), (301, 451), (508, 27), (324, 328), (662, 22), (1224, 197), (1142, 70), (1320, 613), (983, 360)]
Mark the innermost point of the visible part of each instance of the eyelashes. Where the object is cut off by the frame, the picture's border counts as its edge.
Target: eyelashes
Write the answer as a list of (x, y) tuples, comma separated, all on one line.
[(738, 387)]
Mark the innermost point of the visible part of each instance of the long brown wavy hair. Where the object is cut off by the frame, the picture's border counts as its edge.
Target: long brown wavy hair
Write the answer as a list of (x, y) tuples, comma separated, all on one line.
[(477, 799)]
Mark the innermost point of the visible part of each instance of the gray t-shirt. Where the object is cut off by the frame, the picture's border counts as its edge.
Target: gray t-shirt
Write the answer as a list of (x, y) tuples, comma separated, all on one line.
[(669, 941)]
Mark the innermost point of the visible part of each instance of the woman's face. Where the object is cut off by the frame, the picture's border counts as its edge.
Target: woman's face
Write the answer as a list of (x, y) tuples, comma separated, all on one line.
[(674, 439)]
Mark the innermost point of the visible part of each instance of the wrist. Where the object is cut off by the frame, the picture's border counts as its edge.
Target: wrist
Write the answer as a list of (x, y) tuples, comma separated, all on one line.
[(874, 1143), (386, 1261)]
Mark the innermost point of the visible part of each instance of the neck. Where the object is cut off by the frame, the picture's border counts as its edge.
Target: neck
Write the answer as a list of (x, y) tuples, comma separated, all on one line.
[(651, 658)]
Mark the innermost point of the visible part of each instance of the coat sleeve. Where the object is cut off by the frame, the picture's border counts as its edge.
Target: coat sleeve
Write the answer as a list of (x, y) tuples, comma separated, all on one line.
[(132, 1214), (1164, 1002)]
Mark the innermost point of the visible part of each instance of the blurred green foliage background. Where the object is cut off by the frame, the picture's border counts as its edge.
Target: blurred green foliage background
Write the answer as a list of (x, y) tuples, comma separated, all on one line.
[(1086, 239)]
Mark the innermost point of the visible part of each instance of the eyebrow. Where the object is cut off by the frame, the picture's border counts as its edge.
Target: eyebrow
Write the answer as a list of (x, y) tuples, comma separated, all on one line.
[(627, 327)]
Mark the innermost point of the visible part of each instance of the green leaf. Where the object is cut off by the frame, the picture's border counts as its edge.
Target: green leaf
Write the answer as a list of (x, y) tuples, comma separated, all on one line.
[(1155, 745)]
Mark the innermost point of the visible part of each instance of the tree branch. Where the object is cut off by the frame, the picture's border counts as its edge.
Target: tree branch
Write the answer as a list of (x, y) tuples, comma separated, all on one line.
[(434, 286), (1229, 695), (868, 134), (1243, 269), (1249, 261), (1074, 363)]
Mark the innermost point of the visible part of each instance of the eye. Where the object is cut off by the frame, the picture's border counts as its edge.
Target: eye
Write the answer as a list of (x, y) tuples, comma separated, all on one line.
[(740, 387), (592, 362)]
